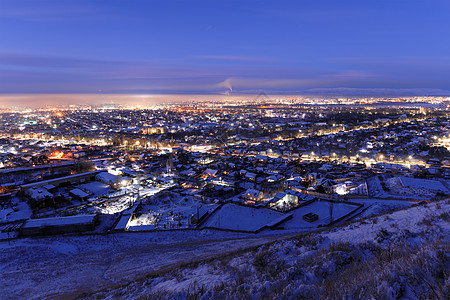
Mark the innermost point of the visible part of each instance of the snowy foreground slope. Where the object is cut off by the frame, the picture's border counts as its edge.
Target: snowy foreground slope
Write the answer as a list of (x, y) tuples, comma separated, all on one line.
[(403, 255), (67, 266)]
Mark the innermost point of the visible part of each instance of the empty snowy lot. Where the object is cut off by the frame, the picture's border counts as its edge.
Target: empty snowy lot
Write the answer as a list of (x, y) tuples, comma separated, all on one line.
[(58, 267), (322, 209), (238, 217), (434, 185)]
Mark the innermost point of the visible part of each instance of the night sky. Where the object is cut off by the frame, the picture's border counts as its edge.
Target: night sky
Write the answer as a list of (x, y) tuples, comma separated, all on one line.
[(217, 47)]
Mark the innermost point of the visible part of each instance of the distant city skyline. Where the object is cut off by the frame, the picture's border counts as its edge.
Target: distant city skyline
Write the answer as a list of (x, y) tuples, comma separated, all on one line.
[(33, 101), (99, 48)]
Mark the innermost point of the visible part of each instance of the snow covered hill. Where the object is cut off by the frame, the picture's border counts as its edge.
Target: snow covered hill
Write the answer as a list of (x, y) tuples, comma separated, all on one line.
[(405, 255)]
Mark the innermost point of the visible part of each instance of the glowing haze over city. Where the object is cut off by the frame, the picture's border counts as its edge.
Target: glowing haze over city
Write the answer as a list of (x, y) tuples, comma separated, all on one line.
[(206, 149)]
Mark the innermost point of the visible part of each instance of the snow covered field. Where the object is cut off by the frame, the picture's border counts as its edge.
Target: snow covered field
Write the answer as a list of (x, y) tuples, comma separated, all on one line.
[(237, 217), (413, 187), (401, 187), (434, 185), (320, 208), (380, 206)]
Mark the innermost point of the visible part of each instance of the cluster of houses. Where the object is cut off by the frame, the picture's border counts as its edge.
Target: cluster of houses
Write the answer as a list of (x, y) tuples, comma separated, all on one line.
[(277, 159)]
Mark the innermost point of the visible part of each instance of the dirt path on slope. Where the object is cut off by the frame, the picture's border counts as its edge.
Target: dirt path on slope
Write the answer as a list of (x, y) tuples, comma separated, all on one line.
[(35, 271)]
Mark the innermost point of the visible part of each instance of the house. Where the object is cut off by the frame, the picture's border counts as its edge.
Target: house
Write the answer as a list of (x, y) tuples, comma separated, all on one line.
[(108, 178), (209, 173), (79, 194), (79, 154), (189, 172), (261, 158), (250, 176), (49, 187), (253, 195), (325, 168), (58, 225), (38, 194), (329, 185), (284, 200)]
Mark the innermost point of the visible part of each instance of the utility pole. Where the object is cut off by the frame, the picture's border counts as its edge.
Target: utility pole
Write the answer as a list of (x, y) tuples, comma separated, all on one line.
[(330, 208)]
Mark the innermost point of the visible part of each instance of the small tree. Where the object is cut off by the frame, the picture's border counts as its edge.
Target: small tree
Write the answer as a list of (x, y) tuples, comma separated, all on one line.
[(320, 189)]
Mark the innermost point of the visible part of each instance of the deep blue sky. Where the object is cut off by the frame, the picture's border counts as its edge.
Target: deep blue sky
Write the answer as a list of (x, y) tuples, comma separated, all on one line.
[(294, 47)]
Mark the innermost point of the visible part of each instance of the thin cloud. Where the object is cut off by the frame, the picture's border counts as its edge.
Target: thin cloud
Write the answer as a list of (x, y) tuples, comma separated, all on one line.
[(21, 72), (56, 10), (239, 83), (42, 11), (400, 61), (236, 58), (45, 61), (379, 91), (354, 74)]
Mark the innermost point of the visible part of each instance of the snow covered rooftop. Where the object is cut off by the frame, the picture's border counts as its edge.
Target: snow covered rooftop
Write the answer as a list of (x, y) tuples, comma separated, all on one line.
[(79, 193), (107, 177), (38, 193), (59, 221)]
